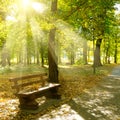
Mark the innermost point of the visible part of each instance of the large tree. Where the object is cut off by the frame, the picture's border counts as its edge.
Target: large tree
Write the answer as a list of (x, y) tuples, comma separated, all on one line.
[(52, 55)]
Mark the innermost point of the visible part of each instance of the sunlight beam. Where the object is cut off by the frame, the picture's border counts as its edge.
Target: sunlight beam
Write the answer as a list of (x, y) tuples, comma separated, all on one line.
[(38, 7), (25, 3), (11, 18)]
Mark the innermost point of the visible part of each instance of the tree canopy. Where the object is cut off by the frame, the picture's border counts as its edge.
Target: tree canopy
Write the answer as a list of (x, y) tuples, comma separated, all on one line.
[(25, 26)]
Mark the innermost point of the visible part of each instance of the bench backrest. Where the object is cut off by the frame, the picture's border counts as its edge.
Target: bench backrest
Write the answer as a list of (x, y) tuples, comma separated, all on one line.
[(23, 81)]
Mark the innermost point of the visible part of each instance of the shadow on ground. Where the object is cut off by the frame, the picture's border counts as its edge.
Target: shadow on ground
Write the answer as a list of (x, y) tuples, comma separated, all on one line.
[(101, 102)]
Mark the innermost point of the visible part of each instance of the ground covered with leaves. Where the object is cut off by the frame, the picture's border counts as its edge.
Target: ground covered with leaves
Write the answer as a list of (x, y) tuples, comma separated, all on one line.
[(74, 81)]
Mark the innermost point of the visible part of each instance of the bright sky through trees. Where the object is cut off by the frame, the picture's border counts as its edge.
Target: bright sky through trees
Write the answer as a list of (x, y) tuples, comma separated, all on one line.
[(10, 18), (37, 6), (26, 6), (117, 7), (25, 3)]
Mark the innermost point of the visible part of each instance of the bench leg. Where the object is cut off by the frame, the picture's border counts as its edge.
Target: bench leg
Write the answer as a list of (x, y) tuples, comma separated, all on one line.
[(54, 93), (28, 103)]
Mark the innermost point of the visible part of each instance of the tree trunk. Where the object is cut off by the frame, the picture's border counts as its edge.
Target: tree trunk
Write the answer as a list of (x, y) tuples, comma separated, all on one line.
[(85, 52), (97, 57), (59, 54), (5, 58), (42, 54), (72, 54), (42, 58), (38, 60), (52, 56), (107, 52), (115, 54)]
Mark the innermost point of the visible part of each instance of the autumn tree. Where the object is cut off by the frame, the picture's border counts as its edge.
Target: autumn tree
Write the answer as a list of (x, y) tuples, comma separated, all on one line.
[(52, 55)]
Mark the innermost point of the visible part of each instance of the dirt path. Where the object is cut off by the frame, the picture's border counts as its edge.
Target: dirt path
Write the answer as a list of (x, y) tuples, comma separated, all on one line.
[(101, 102)]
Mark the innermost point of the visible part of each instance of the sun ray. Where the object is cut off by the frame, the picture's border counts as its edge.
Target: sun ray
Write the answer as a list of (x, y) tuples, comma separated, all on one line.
[(38, 7)]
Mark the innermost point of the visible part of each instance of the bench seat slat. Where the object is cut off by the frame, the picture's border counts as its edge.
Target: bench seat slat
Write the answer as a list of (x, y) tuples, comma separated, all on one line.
[(40, 90), (27, 77), (28, 83)]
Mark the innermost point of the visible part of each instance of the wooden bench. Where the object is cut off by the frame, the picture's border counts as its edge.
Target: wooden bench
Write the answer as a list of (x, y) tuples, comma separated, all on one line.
[(27, 91)]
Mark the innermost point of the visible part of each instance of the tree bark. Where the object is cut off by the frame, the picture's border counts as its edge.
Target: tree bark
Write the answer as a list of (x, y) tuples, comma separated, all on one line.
[(72, 54), (42, 58), (115, 54), (85, 52), (42, 54), (5, 58), (97, 58), (52, 56)]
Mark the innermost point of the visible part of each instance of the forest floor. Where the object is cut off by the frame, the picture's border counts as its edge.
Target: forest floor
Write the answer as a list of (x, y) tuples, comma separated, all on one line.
[(101, 102), (85, 96)]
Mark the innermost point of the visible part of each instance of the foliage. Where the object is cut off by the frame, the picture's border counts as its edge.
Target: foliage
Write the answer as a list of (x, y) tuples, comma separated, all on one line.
[(92, 19), (76, 20)]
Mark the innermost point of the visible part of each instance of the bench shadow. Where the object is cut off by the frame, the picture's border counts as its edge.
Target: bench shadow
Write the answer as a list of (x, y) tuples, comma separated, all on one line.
[(45, 106), (52, 104)]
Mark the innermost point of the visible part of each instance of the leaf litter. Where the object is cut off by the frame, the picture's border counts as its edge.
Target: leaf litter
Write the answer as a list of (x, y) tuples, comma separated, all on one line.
[(72, 84)]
